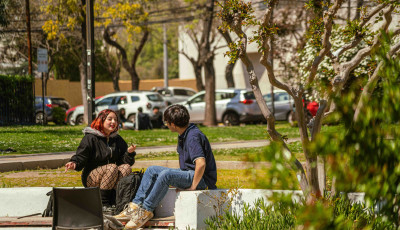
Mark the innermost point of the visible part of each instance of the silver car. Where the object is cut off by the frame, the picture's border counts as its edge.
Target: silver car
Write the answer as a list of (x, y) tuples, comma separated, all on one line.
[(174, 95), (283, 104), (130, 101), (233, 106)]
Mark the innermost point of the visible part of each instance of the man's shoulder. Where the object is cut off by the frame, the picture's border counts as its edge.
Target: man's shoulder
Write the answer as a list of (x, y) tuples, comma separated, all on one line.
[(194, 131)]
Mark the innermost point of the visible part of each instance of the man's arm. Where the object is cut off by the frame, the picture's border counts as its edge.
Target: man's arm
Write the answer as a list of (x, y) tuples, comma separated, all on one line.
[(198, 173)]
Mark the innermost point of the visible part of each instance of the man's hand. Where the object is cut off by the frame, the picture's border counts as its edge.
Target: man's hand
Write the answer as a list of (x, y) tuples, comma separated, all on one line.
[(190, 189), (70, 165)]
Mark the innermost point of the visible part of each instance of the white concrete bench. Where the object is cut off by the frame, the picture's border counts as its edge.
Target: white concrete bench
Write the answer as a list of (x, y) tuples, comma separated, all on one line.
[(190, 208)]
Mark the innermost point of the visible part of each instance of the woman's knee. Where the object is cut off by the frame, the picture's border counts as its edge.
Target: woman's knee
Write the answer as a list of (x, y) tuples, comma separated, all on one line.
[(112, 167), (125, 169)]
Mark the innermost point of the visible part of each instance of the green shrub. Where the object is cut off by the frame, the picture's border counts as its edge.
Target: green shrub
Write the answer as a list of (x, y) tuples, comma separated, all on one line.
[(262, 216), (58, 115), (287, 215), (331, 119)]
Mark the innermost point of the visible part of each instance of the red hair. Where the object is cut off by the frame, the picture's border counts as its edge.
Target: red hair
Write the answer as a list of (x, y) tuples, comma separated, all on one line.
[(98, 123)]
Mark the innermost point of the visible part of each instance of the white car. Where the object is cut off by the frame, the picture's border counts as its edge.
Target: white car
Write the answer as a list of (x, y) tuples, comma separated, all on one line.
[(174, 95), (130, 101)]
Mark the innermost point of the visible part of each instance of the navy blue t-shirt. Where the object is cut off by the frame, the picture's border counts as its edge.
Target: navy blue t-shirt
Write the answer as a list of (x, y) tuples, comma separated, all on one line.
[(193, 144)]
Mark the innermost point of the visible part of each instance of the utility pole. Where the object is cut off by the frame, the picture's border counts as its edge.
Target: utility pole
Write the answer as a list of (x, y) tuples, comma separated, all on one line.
[(165, 57), (90, 73), (28, 27)]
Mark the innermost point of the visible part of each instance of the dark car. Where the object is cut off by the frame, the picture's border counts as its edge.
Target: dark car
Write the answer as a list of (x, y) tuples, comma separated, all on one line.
[(49, 104)]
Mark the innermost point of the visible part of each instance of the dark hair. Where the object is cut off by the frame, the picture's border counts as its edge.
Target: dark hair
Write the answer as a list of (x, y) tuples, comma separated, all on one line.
[(177, 114), (98, 123), (156, 107), (140, 109)]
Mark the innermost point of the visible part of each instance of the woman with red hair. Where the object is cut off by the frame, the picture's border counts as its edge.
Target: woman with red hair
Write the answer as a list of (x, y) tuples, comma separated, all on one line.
[(103, 156)]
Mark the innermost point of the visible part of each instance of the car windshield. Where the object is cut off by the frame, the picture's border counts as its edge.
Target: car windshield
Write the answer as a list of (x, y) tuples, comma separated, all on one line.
[(249, 95), (280, 96), (154, 97), (183, 92), (164, 92), (60, 102)]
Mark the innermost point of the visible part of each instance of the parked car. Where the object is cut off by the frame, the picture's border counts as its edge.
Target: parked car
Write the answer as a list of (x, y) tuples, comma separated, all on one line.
[(174, 95), (49, 103), (285, 108), (69, 112), (283, 105), (233, 106), (130, 101)]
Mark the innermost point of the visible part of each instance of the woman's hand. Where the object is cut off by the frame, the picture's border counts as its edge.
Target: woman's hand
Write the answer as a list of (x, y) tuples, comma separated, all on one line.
[(70, 165), (131, 148)]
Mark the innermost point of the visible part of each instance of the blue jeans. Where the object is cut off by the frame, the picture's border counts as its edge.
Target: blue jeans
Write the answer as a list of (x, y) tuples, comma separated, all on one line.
[(156, 181)]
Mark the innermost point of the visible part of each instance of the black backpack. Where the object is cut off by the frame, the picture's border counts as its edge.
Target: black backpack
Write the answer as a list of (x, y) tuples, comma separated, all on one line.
[(126, 189), (49, 209)]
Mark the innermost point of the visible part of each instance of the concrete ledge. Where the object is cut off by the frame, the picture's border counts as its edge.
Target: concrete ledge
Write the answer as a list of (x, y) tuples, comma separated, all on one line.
[(190, 208)]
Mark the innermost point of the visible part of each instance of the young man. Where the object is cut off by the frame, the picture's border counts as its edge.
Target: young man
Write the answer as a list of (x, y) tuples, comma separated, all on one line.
[(197, 171)]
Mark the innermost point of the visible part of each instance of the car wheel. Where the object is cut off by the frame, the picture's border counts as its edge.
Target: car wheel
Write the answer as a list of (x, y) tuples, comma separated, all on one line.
[(132, 118), (231, 118), (69, 121), (39, 118), (79, 120)]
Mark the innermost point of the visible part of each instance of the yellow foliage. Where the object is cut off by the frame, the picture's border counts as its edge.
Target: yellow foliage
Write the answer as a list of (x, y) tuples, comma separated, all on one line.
[(51, 29), (71, 23)]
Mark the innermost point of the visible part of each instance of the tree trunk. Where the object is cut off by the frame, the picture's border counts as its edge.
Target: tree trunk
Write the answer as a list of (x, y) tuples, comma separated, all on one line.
[(210, 115), (312, 175), (229, 68), (82, 73), (135, 78), (199, 80), (116, 72), (131, 68), (360, 3), (229, 75), (321, 174), (207, 58), (138, 50)]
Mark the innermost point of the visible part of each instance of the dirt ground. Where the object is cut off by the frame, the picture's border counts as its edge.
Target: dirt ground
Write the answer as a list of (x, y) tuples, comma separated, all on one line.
[(31, 174)]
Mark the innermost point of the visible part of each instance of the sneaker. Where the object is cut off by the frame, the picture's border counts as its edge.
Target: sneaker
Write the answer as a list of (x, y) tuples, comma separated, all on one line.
[(127, 213), (139, 219)]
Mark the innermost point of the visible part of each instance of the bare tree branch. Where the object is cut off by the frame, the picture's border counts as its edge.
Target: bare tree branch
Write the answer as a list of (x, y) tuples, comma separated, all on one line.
[(236, 25), (373, 80), (359, 37), (326, 45), (345, 68)]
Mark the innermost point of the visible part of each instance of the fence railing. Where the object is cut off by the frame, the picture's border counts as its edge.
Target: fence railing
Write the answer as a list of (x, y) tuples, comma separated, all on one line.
[(16, 100)]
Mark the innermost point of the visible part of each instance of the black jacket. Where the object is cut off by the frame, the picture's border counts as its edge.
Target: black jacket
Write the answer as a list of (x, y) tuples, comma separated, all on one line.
[(95, 150)]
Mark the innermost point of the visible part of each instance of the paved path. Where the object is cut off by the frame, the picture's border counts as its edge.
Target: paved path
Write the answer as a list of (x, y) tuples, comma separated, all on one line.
[(58, 159)]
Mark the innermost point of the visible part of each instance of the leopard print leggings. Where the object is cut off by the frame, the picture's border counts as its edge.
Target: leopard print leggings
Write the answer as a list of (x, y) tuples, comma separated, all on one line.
[(107, 176)]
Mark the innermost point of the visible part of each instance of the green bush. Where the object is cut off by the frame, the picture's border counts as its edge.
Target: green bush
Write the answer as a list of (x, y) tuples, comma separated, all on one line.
[(262, 216), (287, 215), (331, 119), (58, 115)]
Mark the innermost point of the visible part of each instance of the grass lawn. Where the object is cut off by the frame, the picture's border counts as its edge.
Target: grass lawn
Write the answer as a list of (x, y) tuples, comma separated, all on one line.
[(57, 178), (237, 154), (42, 139)]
